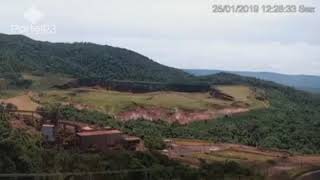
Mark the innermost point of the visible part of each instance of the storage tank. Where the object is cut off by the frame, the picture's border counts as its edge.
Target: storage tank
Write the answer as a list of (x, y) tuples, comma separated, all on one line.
[(47, 131)]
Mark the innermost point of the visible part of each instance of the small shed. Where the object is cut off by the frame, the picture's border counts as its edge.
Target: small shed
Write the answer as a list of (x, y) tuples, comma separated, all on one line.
[(47, 131), (131, 142)]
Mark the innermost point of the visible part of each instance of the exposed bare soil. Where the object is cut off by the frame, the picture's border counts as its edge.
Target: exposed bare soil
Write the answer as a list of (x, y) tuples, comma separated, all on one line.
[(283, 163), (178, 115), (23, 102), (23, 123)]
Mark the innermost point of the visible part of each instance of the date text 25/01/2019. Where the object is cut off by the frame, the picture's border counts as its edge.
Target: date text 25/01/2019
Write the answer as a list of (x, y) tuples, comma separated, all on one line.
[(262, 9)]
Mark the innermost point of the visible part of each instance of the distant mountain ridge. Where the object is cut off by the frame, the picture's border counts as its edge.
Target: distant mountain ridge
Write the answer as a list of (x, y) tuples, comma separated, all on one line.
[(303, 82)]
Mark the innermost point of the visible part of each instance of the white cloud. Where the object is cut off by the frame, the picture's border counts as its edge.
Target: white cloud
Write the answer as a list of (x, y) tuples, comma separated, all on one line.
[(274, 56)]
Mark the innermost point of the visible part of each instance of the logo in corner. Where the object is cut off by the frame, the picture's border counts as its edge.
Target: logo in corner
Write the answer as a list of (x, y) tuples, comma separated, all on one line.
[(33, 15)]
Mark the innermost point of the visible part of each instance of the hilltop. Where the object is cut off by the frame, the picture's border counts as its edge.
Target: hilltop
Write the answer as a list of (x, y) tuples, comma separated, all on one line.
[(20, 54)]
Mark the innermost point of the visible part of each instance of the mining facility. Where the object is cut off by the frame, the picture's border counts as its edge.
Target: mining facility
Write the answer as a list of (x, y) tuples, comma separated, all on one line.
[(74, 134), (88, 138)]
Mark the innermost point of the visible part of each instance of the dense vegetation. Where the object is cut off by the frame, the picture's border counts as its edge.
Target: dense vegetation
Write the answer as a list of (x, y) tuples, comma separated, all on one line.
[(137, 87), (12, 81), (292, 122), (18, 151), (23, 153), (21, 54)]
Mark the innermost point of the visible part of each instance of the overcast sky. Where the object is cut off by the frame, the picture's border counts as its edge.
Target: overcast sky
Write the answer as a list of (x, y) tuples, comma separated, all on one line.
[(181, 33)]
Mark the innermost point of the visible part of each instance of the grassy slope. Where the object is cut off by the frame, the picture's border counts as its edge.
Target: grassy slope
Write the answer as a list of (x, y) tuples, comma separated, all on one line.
[(244, 94), (46, 81), (113, 102), (39, 83), (4, 94), (233, 155)]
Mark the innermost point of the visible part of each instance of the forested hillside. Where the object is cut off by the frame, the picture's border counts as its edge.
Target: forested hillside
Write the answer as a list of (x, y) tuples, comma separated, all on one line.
[(22, 54), (21, 152), (303, 82), (292, 121)]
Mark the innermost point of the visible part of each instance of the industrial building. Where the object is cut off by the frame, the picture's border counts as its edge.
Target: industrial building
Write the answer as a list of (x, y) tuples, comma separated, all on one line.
[(89, 138), (99, 139)]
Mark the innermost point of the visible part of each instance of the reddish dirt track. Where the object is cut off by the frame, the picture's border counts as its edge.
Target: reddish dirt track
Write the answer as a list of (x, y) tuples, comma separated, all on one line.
[(183, 151)]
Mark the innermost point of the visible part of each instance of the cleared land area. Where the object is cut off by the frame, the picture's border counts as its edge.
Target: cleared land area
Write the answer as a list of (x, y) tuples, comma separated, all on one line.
[(113, 101), (170, 106), (173, 106), (273, 163), (22, 102)]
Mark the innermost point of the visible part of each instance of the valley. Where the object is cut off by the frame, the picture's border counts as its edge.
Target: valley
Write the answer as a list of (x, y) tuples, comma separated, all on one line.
[(84, 107)]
